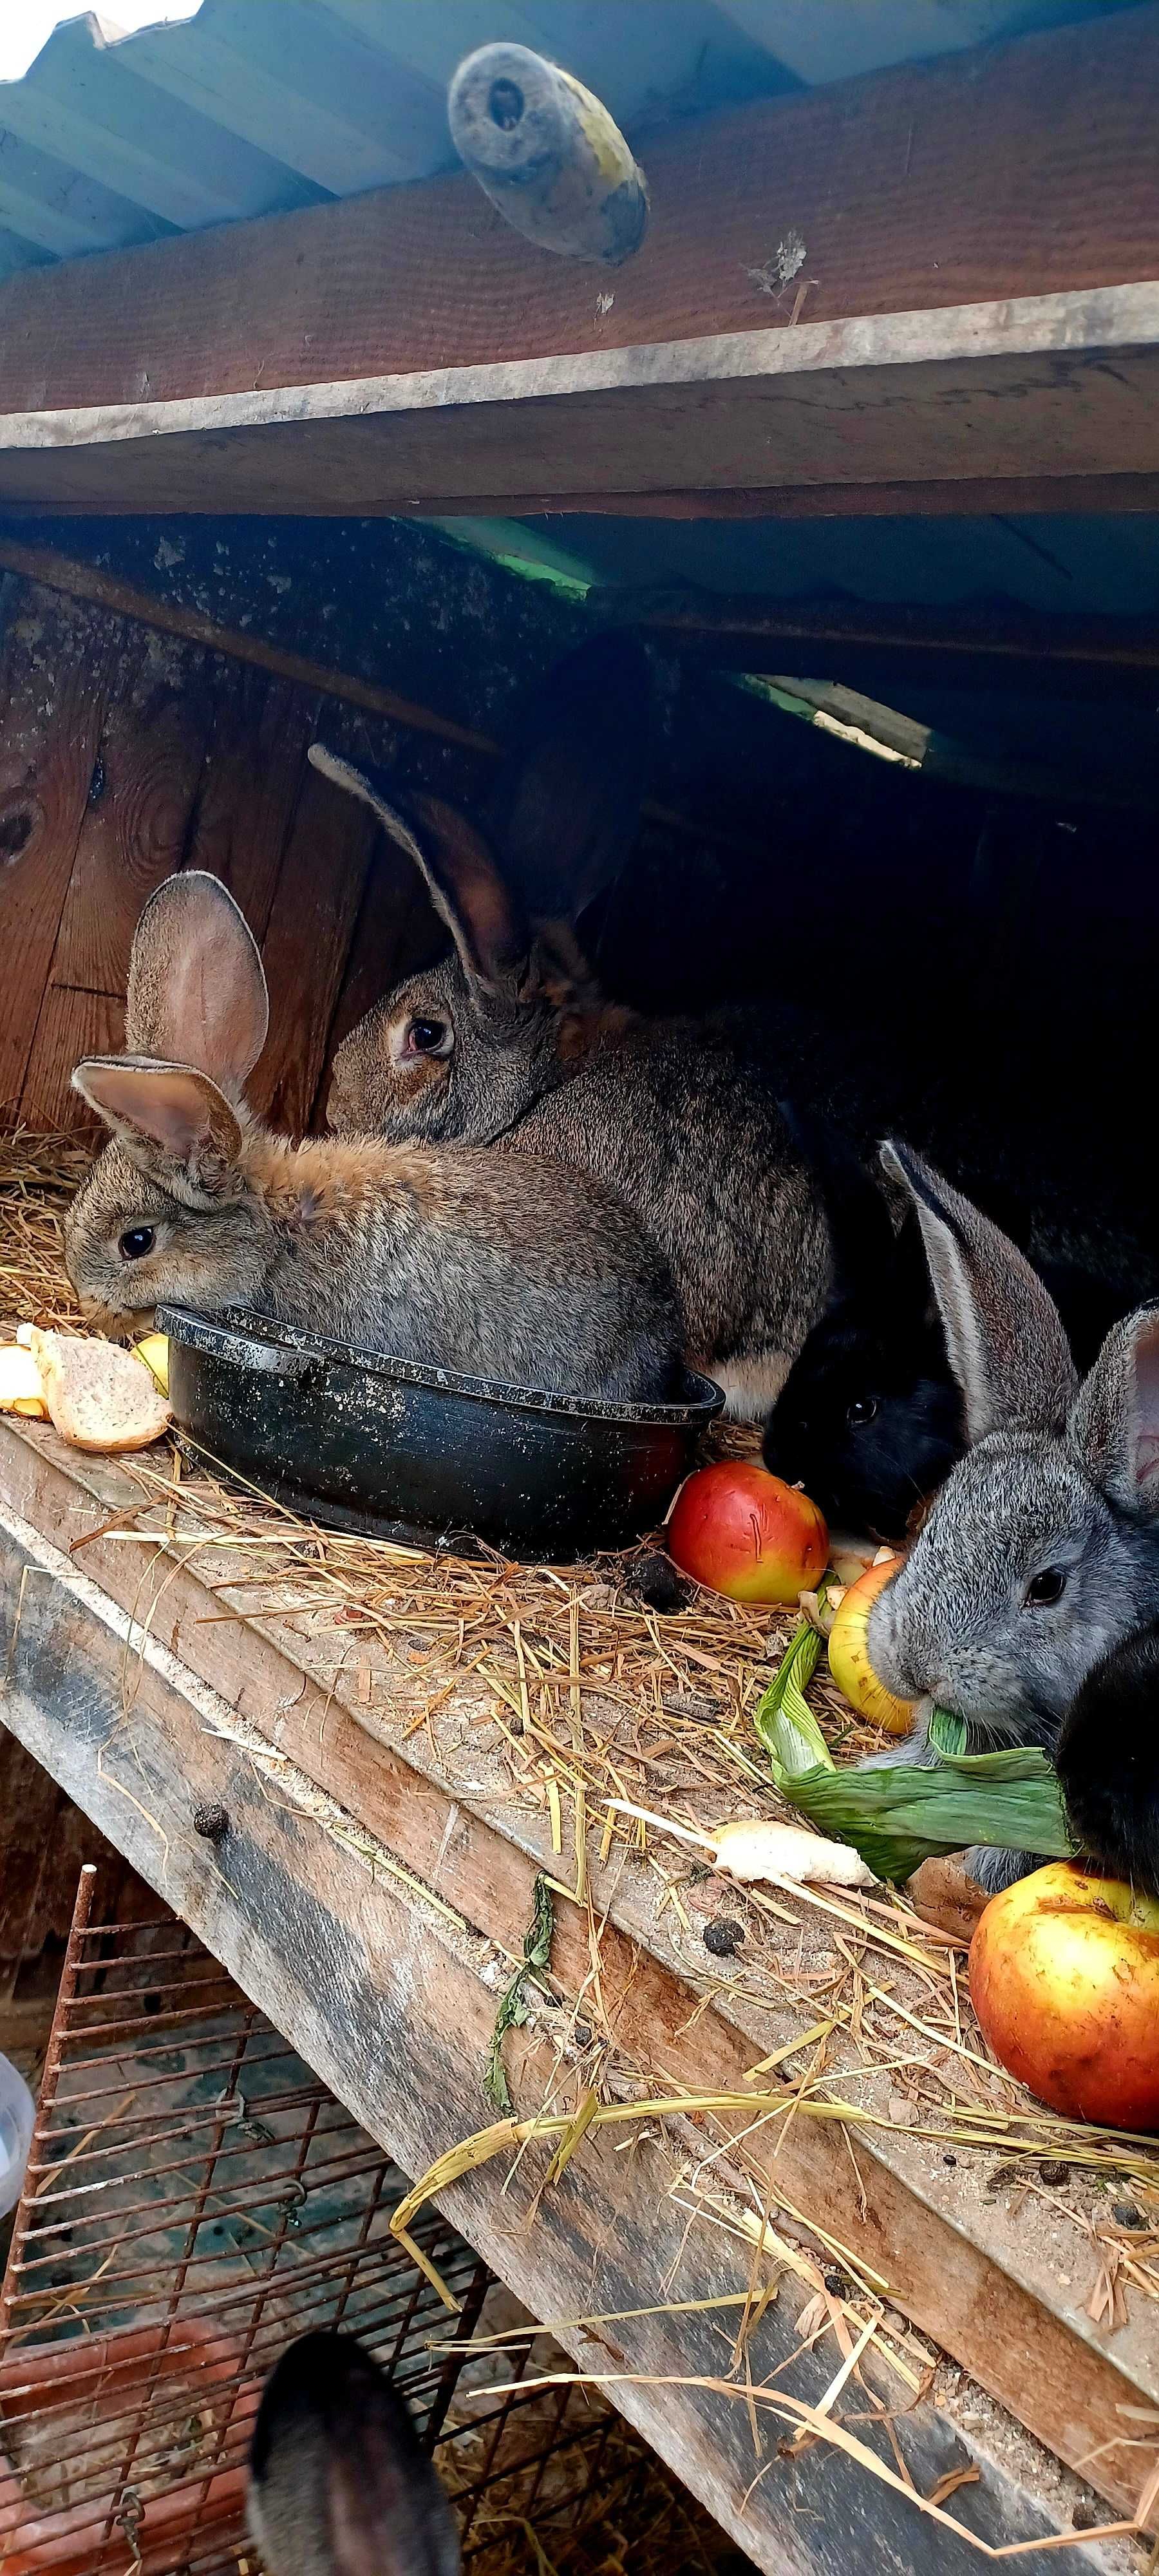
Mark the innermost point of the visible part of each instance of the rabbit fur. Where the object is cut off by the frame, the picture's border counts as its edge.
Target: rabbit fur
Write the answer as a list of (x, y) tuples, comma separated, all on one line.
[(509, 1042), (870, 1416), (339, 2482), (1041, 1554), (1108, 1762), (514, 1271)]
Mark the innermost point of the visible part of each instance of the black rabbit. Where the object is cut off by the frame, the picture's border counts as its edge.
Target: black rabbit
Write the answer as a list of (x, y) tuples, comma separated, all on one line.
[(1108, 1762), (339, 2482), (869, 1419)]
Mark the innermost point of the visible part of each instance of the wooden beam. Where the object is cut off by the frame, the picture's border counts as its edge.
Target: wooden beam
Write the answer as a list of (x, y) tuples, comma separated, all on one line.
[(1061, 385), (171, 617), (1018, 169), (392, 2001), (736, 630), (985, 2288)]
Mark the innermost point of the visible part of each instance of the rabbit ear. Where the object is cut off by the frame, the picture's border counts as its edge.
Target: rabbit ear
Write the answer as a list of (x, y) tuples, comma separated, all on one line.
[(340, 2483), (1114, 1422), (565, 809), (169, 1106), (197, 988), (461, 875), (1005, 1340), (861, 1236)]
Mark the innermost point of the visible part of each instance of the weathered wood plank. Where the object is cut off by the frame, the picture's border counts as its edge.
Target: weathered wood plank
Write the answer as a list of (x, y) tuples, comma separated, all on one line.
[(1018, 169), (306, 947), (1055, 384), (393, 2008), (986, 2287), (254, 766), (131, 836), (57, 667)]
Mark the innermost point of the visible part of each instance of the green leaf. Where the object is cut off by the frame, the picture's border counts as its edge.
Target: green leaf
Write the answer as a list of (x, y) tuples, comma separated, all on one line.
[(784, 1721), (513, 2011), (900, 1814)]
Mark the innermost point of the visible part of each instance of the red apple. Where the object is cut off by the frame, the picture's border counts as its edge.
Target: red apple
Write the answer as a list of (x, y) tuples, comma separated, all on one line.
[(1064, 1974), (748, 1534)]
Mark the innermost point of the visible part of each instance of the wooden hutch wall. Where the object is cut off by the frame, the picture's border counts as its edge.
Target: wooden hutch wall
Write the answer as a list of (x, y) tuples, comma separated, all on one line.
[(126, 753)]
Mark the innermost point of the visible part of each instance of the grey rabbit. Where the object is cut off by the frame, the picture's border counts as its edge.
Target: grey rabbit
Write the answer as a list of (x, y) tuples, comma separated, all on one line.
[(1041, 1553), (515, 1271), (870, 1417), (339, 2482), (508, 1041)]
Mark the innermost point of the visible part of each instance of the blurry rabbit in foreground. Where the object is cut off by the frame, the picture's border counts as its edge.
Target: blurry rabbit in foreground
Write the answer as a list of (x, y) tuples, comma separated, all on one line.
[(870, 1417), (507, 1043), (1042, 1552), (1108, 1762), (339, 2482), (513, 1271)]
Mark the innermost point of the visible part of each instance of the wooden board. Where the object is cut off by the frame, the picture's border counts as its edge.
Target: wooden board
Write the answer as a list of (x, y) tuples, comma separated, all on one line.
[(1018, 169), (1058, 386), (57, 666), (985, 2285), (126, 753), (393, 2005)]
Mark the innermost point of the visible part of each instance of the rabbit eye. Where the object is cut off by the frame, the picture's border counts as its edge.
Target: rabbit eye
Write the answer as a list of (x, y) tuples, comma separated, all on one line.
[(136, 1242), (1047, 1587), (861, 1410), (428, 1037)]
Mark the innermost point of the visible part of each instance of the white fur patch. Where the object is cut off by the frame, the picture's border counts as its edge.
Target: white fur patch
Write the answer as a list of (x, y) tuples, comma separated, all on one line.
[(751, 1389)]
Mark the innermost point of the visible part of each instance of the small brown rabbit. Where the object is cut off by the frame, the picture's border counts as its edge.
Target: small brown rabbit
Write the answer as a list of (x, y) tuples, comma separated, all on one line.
[(339, 2482), (493, 1268), (508, 1043)]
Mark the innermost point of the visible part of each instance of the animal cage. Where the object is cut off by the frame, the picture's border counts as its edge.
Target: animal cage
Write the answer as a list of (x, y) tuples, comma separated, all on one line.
[(195, 2198)]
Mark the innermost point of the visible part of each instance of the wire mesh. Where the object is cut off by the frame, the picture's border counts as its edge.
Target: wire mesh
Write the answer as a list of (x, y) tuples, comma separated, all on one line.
[(195, 2198)]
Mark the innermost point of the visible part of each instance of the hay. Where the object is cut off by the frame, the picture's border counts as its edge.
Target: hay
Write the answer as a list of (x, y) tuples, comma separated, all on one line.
[(556, 1689)]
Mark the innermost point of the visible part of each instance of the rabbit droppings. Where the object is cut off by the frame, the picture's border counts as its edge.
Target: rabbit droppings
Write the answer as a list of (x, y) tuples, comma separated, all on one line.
[(514, 1271), (1041, 1554)]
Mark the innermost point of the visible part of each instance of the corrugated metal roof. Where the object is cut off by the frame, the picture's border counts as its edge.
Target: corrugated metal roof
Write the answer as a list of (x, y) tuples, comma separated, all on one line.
[(257, 106)]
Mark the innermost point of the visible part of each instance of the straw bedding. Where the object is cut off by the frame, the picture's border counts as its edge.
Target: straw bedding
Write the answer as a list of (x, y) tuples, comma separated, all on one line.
[(557, 1688)]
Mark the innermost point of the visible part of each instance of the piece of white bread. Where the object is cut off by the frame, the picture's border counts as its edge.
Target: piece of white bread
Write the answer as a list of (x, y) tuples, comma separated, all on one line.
[(100, 1397), (20, 1388)]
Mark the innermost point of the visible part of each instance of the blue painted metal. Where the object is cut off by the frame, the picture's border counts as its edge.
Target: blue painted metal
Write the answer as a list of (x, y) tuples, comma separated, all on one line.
[(256, 106)]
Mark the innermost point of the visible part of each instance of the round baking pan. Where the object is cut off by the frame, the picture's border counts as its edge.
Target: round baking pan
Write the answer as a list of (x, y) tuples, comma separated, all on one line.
[(399, 1450)]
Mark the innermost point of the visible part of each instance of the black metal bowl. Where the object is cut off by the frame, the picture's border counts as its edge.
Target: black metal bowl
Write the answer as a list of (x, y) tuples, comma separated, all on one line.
[(398, 1450)]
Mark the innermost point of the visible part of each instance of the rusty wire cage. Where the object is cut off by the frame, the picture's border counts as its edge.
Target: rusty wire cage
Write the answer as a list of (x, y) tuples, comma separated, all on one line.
[(195, 2198)]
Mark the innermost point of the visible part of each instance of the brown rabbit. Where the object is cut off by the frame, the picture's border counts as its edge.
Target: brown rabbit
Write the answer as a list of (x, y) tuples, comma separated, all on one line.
[(508, 1042), (499, 1270)]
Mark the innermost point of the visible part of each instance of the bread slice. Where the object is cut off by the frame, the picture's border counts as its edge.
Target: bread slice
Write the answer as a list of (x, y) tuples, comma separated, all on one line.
[(20, 1387), (101, 1397)]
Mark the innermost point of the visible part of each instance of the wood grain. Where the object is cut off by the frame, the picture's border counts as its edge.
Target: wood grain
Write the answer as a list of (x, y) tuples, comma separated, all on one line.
[(966, 2273), (393, 2008), (132, 836), (306, 946), (55, 676), (254, 768), (1063, 385), (1017, 169)]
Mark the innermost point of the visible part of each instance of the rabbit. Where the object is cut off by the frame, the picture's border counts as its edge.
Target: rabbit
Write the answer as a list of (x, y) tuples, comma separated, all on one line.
[(1108, 1762), (516, 1271), (870, 1417), (339, 2482), (1041, 1553), (508, 1042)]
